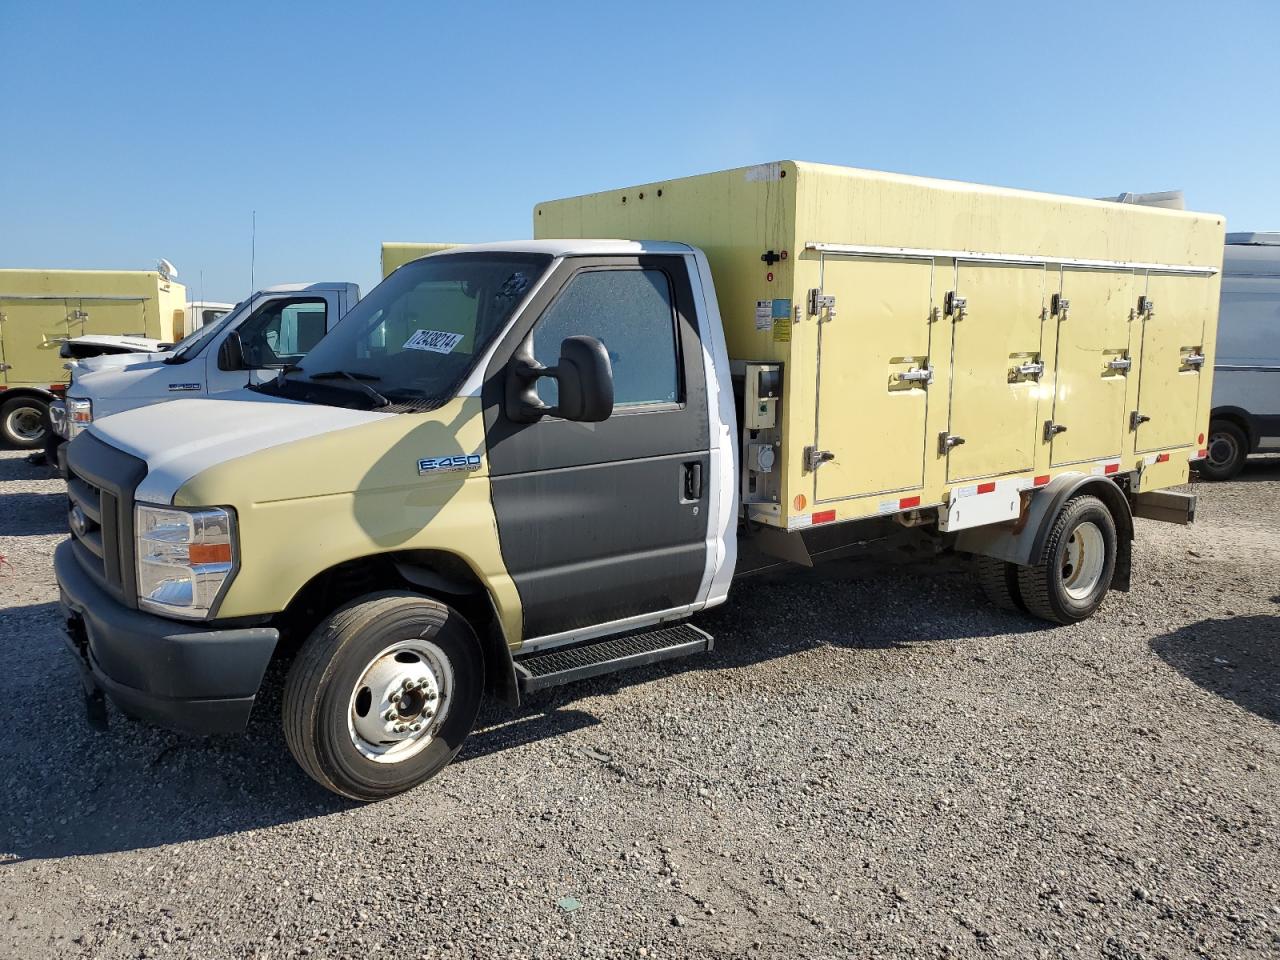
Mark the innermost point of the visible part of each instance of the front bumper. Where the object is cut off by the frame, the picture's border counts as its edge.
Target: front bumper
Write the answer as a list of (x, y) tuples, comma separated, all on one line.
[(184, 677)]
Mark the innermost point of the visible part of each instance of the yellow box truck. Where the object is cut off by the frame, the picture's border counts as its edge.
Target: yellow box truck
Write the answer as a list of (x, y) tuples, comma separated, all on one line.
[(43, 310), (516, 465)]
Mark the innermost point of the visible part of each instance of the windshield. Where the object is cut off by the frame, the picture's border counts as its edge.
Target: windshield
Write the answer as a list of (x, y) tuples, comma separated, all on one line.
[(189, 345), (412, 340)]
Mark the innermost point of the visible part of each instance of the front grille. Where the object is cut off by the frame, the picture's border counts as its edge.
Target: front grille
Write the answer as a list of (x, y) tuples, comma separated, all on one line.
[(101, 480)]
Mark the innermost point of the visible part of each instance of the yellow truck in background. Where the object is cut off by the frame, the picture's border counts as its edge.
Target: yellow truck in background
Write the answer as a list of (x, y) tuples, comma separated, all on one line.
[(41, 311), (515, 465), (396, 254)]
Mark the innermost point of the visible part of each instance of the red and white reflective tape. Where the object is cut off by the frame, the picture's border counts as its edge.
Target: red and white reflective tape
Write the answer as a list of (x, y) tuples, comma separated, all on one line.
[(898, 506), (1108, 468), (1152, 459), (1198, 455)]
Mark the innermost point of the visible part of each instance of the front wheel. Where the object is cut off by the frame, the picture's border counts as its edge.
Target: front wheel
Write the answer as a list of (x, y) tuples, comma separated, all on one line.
[(382, 695), (23, 422), (1224, 457), (1073, 578)]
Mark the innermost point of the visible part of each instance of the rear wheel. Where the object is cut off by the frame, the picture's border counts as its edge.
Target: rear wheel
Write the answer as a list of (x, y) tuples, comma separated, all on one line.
[(999, 581), (382, 695), (1072, 580), (24, 422), (1226, 452)]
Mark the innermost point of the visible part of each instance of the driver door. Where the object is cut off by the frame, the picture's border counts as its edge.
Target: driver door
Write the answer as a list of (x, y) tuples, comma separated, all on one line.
[(602, 522)]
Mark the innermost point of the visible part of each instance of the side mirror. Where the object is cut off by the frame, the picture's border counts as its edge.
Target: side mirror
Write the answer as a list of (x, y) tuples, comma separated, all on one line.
[(231, 353), (584, 377)]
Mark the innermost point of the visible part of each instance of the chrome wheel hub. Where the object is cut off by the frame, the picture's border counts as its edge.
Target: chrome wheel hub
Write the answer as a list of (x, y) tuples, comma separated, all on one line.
[(1084, 560), (400, 701), (25, 423)]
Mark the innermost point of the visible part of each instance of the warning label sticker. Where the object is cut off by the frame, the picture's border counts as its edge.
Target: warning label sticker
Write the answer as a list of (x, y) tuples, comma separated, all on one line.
[(436, 341), (764, 314), (782, 330)]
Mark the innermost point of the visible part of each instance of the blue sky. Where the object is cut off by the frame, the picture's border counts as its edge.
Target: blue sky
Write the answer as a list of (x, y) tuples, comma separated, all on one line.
[(134, 130)]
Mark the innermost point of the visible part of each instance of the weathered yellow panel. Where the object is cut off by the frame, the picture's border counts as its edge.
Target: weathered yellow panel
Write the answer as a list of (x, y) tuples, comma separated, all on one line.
[(1169, 386), (995, 404), (1091, 382), (40, 309), (870, 418), (761, 228)]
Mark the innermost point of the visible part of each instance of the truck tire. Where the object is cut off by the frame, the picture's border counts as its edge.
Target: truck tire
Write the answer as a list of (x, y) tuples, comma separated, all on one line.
[(1228, 447), (999, 581), (1072, 580), (382, 695), (24, 422)]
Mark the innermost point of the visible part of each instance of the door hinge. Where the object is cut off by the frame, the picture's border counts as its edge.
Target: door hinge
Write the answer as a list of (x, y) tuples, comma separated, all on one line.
[(1052, 429), (921, 375), (1136, 420), (1146, 307), (955, 306), (5, 366), (1193, 360), (1059, 306), (946, 442), (819, 302), (77, 315), (1124, 363), (814, 458)]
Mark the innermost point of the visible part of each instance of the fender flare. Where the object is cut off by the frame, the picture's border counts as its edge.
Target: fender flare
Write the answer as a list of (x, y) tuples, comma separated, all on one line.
[(1025, 543)]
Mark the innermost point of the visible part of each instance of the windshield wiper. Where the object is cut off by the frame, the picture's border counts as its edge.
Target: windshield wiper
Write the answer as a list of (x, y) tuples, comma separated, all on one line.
[(356, 378)]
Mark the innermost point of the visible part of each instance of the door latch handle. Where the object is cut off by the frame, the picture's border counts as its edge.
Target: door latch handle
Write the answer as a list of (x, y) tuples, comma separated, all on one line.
[(1030, 371), (946, 442), (1136, 420), (693, 481), (1052, 429), (1194, 360), (1124, 363), (918, 375)]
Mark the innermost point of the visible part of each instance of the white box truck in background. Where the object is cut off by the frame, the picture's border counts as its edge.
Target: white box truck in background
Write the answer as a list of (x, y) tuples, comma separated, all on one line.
[(1246, 389)]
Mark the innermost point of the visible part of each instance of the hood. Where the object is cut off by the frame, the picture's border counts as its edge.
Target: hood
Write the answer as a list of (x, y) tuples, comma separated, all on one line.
[(116, 361), (181, 438)]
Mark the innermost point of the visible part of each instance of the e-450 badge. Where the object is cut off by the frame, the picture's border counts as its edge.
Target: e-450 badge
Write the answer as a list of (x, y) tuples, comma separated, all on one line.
[(430, 465)]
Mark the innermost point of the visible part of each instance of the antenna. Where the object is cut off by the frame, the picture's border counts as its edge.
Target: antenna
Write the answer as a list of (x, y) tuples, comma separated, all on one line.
[(253, 250)]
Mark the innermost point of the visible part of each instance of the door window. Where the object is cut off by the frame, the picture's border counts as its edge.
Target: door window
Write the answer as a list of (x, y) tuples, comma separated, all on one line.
[(282, 332), (630, 312)]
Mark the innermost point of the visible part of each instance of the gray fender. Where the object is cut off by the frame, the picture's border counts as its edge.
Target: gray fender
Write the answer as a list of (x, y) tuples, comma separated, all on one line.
[(1025, 542)]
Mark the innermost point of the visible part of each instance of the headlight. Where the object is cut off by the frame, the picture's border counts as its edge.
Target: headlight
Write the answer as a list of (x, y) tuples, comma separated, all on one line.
[(185, 558), (79, 416)]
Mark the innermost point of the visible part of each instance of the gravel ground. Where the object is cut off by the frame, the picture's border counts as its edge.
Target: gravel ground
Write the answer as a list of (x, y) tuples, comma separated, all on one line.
[(880, 767)]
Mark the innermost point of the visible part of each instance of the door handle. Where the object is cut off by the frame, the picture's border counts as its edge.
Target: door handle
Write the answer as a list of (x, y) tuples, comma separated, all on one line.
[(693, 481)]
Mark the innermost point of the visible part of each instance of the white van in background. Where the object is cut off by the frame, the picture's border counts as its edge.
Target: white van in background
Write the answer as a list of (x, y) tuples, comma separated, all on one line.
[(1246, 374), (265, 333)]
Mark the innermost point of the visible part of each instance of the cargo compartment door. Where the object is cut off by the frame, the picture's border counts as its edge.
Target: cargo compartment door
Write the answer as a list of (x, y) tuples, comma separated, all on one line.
[(118, 316), (874, 375), (995, 313), (34, 329), (1093, 316), (1173, 318)]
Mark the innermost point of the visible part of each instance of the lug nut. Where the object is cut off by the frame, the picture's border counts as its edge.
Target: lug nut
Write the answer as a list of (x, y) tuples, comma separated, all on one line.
[(389, 715), (395, 697), (408, 684), (416, 727)]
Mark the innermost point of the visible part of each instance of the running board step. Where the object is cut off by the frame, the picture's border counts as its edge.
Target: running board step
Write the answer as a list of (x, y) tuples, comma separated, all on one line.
[(608, 655)]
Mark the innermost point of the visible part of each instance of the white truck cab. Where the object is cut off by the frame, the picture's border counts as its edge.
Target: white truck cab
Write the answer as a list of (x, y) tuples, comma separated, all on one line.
[(247, 345)]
